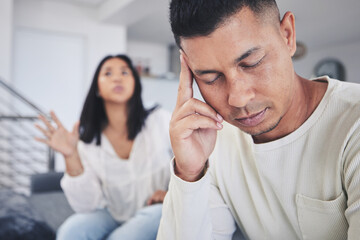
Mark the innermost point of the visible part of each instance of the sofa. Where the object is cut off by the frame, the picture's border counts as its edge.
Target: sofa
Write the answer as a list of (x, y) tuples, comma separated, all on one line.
[(48, 199), (37, 216)]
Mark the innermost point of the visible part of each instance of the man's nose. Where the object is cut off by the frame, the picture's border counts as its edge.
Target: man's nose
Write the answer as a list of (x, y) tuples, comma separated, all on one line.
[(240, 92)]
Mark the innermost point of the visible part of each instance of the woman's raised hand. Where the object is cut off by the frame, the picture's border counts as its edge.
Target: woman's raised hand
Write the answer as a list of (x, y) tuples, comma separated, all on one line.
[(58, 137)]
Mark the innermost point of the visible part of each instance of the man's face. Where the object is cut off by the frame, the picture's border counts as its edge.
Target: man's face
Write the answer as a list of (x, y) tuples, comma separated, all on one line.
[(244, 71)]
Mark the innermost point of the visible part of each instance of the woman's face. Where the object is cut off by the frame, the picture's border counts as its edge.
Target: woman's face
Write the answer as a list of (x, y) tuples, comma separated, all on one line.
[(116, 82)]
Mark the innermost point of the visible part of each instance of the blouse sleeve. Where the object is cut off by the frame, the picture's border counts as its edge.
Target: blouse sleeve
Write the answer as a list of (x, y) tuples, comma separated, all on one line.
[(158, 129), (83, 192)]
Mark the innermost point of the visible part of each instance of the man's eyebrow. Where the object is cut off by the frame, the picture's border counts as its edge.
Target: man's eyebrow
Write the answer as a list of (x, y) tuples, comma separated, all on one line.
[(242, 57), (246, 54), (203, 72)]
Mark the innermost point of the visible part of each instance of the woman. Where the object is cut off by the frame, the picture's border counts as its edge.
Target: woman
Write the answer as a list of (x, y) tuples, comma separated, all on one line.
[(117, 158)]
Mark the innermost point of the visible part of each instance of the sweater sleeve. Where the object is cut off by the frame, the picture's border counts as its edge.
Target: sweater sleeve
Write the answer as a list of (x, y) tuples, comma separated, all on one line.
[(195, 210), (352, 184), (83, 192)]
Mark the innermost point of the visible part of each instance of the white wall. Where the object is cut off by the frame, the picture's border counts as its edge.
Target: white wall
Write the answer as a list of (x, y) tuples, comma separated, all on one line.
[(156, 89), (163, 92), (52, 77), (100, 39), (347, 53), (154, 54), (6, 23), (67, 42)]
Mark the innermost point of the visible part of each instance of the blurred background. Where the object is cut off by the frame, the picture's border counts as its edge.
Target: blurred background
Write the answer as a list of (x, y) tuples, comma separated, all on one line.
[(49, 50)]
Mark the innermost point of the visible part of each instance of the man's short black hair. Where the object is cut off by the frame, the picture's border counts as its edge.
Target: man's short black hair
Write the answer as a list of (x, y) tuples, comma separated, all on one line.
[(192, 18)]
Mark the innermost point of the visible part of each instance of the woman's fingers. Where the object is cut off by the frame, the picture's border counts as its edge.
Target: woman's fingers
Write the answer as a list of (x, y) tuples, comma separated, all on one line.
[(76, 128), (56, 119), (43, 140), (47, 123), (45, 132), (151, 200), (157, 197)]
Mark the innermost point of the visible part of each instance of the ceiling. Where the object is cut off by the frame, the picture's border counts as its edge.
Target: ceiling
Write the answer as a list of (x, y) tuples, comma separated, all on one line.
[(319, 23), (88, 3)]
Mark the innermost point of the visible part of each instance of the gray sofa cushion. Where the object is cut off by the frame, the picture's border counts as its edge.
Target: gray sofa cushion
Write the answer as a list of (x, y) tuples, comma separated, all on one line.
[(48, 199), (52, 207)]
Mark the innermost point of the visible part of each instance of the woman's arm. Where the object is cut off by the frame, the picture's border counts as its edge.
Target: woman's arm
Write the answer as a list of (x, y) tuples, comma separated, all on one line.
[(63, 141), (84, 191), (80, 184)]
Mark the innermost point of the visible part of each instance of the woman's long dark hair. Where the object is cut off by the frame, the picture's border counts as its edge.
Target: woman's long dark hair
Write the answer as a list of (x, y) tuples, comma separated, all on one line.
[(93, 117)]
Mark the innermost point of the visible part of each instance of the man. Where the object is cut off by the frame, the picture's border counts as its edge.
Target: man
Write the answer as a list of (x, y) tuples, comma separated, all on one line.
[(287, 166)]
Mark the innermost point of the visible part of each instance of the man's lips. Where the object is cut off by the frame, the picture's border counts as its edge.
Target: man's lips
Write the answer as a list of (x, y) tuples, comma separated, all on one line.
[(252, 120)]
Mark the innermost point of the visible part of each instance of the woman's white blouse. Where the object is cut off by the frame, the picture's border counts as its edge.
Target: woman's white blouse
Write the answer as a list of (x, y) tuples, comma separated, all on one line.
[(122, 186)]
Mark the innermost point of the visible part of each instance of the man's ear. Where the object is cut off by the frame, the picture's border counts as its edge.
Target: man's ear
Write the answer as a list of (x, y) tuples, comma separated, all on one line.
[(288, 33)]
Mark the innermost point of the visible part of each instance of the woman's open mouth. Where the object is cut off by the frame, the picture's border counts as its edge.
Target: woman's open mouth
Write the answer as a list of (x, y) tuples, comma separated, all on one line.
[(118, 89)]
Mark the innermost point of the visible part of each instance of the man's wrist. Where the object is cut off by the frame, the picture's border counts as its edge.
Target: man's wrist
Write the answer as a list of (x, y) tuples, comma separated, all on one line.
[(190, 177)]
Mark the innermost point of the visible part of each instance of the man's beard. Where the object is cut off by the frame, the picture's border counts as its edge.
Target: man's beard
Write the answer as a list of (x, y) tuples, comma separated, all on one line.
[(267, 130)]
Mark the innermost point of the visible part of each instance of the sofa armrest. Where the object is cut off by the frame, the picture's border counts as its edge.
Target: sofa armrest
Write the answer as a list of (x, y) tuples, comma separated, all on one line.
[(46, 182)]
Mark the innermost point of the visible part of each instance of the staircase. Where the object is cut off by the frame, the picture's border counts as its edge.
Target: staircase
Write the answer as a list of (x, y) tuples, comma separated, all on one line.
[(20, 155)]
